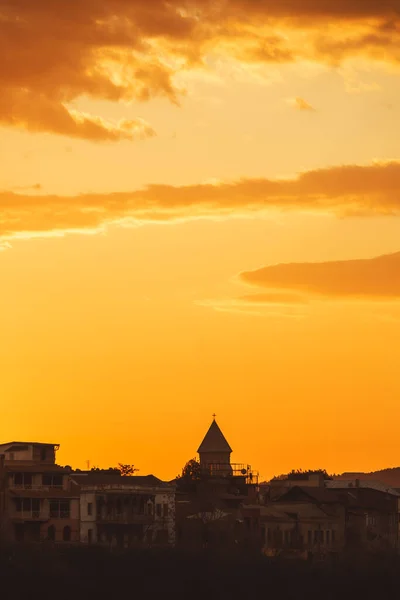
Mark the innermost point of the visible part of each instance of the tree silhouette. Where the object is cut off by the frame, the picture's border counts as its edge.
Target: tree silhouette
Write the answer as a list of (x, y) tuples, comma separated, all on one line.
[(109, 470), (127, 470), (191, 471), (300, 474)]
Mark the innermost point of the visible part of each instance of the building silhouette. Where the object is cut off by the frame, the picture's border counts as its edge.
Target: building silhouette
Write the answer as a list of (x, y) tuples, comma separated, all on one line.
[(215, 452)]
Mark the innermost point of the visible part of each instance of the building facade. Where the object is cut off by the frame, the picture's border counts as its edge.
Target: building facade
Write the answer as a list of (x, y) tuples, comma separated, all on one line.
[(126, 512), (327, 517), (39, 500), (304, 522)]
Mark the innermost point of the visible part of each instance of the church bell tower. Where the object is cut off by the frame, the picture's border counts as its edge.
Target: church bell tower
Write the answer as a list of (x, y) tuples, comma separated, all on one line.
[(214, 451)]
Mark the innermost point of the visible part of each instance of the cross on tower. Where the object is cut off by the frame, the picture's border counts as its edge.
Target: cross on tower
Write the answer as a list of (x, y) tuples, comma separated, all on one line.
[(214, 415)]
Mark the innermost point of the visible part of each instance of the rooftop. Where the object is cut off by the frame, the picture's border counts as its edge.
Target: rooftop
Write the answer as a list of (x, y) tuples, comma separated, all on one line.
[(340, 484), (30, 444), (214, 441), (28, 467), (106, 478)]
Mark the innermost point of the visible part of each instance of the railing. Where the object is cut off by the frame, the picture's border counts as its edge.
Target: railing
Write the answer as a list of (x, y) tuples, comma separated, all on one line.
[(60, 514), (34, 515), (126, 518), (34, 486), (231, 470)]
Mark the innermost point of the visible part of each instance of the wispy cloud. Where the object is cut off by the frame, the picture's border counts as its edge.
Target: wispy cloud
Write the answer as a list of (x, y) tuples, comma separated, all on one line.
[(301, 104), (244, 307), (36, 187)]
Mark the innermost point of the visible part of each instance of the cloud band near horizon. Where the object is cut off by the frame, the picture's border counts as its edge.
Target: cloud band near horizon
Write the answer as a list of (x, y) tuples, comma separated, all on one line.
[(369, 279), (342, 190)]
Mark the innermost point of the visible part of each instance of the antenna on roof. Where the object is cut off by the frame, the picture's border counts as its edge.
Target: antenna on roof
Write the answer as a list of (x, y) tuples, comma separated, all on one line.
[(88, 464)]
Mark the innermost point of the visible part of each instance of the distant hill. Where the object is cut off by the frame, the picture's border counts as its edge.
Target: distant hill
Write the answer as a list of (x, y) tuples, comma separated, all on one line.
[(390, 477)]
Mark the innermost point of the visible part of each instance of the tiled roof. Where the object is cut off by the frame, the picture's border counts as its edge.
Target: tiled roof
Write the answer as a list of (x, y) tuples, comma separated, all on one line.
[(214, 441), (317, 494)]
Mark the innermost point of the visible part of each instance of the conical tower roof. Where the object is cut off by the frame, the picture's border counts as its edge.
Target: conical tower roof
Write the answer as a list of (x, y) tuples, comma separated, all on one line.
[(214, 440)]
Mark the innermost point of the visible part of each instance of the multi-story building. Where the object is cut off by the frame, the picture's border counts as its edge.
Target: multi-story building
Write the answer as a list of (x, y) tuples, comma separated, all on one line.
[(304, 521), (39, 501), (373, 513), (332, 516), (125, 511)]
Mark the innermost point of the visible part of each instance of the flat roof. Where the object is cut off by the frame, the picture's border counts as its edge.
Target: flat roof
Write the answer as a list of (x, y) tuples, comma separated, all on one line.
[(29, 444)]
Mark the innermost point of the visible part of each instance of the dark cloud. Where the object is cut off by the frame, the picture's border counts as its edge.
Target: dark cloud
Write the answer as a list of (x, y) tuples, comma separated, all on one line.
[(52, 52)]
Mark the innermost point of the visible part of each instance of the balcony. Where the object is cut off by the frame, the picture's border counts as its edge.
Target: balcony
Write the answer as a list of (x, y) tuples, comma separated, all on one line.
[(30, 515), (238, 470), (126, 519), (34, 487), (60, 514)]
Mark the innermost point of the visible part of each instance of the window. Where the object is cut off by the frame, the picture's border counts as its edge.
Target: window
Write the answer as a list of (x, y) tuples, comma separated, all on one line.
[(316, 536), (328, 537), (149, 508), (371, 520), (165, 510), (67, 534), (118, 507), (43, 454), (59, 509), (18, 478), (263, 537), (51, 533), (52, 480), (158, 510), (286, 537), (23, 480), (333, 536), (90, 536), (279, 534), (321, 537), (90, 509), (28, 505), (309, 537)]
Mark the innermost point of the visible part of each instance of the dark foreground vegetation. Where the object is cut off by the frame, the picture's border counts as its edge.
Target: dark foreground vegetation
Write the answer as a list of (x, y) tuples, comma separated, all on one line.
[(28, 572)]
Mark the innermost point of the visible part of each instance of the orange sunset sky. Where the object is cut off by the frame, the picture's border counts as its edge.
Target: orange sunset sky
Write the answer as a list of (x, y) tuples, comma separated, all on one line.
[(199, 212)]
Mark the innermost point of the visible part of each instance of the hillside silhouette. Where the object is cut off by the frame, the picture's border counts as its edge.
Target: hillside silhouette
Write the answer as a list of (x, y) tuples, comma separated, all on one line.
[(390, 477)]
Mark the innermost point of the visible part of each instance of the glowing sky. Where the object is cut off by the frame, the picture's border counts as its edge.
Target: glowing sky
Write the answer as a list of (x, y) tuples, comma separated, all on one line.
[(199, 212)]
